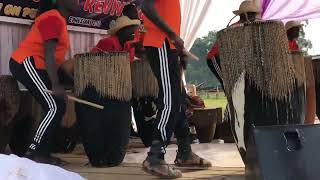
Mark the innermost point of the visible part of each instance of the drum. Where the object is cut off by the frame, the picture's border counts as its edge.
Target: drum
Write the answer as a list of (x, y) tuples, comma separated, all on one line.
[(68, 132), (144, 92), (145, 114), (108, 73), (205, 121), (316, 71), (310, 92), (28, 120), (144, 83), (260, 79), (298, 96), (9, 106), (105, 79)]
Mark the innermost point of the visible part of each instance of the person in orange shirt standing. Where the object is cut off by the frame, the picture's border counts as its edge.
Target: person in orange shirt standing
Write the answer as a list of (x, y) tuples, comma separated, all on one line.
[(164, 47), (35, 64)]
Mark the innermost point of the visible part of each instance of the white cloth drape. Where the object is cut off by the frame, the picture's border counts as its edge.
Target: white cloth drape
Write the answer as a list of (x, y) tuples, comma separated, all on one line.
[(193, 14), (12, 34), (16, 168), (288, 10)]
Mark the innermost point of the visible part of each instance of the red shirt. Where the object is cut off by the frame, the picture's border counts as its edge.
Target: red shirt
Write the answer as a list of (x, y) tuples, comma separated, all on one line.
[(215, 48), (108, 44), (49, 25), (293, 45), (214, 51), (111, 44)]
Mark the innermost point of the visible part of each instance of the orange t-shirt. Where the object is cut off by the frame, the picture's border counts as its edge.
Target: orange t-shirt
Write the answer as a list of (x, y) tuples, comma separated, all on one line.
[(49, 25), (170, 11)]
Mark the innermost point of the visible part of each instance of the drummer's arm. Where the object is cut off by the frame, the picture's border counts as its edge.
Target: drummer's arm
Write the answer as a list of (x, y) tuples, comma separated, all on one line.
[(49, 47), (68, 67), (213, 52)]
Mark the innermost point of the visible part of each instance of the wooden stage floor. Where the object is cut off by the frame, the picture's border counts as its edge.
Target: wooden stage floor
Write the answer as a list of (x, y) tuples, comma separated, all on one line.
[(225, 158)]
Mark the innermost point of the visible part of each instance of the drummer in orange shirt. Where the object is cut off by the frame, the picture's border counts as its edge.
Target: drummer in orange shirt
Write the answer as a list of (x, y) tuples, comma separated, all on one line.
[(35, 64)]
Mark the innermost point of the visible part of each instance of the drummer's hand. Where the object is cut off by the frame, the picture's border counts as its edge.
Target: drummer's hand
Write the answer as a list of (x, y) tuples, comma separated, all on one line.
[(177, 42), (184, 61), (58, 91), (140, 52)]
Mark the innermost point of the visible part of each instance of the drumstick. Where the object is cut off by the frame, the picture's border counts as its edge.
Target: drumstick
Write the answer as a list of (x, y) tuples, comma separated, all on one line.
[(81, 101), (85, 102), (190, 55)]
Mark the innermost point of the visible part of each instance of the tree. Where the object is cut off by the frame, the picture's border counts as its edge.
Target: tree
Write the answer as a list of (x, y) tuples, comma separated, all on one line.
[(198, 71), (304, 44)]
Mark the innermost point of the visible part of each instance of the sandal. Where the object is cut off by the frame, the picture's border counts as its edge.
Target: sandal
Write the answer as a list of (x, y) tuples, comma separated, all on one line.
[(162, 170), (193, 161)]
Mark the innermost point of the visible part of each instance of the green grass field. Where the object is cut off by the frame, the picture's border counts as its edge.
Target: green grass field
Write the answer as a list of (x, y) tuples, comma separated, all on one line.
[(214, 100)]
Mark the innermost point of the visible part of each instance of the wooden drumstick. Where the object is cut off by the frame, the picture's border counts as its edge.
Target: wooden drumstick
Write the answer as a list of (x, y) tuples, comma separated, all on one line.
[(81, 101), (190, 55)]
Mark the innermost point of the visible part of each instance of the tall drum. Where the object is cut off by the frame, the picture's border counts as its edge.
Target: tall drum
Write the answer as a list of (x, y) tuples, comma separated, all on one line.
[(105, 79), (261, 83), (310, 91), (316, 71), (145, 92), (298, 96), (144, 83), (9, 106)]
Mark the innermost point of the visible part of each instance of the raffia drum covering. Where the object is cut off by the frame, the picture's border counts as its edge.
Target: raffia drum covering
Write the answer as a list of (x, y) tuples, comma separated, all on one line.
[(260, 49), (259, 77), (297, 59), (144, 83), (109, 73), (9, 106), (316, 71), (299, 95)]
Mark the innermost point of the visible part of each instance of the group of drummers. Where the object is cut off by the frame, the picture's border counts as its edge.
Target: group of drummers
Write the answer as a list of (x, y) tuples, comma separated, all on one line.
[(103, 76)]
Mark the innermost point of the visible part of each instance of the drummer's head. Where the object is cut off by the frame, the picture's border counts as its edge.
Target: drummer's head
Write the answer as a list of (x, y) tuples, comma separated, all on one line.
[(127, 33), (293, 29), (124, 28), (248, 11), (131, 11), (65, 7)]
